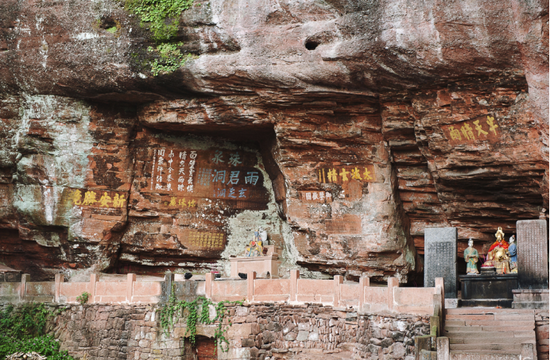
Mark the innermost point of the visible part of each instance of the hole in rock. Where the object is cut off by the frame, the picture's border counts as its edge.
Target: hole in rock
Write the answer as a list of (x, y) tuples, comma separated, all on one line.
[(108, 23), (311, 44)]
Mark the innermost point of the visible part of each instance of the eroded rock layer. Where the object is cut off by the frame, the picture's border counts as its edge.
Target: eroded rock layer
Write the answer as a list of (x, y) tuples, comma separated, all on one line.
[(342, 128)]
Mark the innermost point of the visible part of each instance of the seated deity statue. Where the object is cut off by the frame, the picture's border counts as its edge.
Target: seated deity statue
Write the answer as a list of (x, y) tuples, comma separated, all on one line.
[(255, 246), (498, 255), (471, 257)]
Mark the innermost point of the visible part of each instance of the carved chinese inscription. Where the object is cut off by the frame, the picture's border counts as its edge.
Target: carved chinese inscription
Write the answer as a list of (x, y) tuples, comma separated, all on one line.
[(98, 198), (316, 196), (187, 175), (200, 240), (342, 175), (471, 131)]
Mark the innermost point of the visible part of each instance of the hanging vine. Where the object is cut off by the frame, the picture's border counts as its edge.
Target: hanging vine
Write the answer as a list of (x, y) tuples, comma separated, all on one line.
[(196, 312)]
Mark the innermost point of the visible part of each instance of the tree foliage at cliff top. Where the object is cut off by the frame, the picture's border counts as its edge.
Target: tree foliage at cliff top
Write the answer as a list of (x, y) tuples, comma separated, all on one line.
[(161, 16)]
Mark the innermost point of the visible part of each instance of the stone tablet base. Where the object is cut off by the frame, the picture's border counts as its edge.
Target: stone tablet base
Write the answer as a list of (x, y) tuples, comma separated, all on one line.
[(503, 303), (488, 290), (530, 299)]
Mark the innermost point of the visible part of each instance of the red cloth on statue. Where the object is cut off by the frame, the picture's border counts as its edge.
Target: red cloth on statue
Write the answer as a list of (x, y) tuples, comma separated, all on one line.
[(502, 244)]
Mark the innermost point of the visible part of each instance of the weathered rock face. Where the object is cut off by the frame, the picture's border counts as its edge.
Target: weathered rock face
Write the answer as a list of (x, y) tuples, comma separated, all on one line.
[(352, 126)]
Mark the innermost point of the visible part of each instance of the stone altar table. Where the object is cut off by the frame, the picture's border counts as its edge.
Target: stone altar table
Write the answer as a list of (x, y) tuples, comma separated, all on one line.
[(488, 290), (260, 264)]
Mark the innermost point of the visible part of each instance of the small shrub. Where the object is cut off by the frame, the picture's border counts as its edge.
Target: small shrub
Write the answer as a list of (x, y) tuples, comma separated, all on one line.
[(83, 299), (170, 58), (160, 16)]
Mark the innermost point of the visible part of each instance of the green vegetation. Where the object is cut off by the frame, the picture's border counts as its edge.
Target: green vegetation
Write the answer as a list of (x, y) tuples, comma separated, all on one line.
[(197, 312), (23, 329), (170, 58), (83, 298), (112, 30), (161, 18)]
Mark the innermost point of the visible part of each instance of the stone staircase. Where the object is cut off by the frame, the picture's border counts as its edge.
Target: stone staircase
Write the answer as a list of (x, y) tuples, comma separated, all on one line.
[(490, 334)]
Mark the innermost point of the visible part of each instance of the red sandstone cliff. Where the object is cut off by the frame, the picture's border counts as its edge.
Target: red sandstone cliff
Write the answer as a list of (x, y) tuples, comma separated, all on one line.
[(364, 122)]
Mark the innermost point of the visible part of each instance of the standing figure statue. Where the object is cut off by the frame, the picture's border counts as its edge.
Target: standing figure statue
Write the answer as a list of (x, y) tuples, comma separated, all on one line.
[(513, 250), (255, 246), (471, 257), (498, 255)]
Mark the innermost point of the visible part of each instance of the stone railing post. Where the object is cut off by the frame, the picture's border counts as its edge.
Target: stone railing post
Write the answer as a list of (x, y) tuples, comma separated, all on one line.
[(338, 280), (250, 277), (167, 286), (130, 280), (443, 348), (93, 287), (209, 277), (439, 299), (294, 276), (392, 284), (59, 278), (364, 281), (528, 351), (23, 288)]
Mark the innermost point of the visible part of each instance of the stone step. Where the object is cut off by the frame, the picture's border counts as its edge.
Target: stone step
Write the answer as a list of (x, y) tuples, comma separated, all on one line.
[(463, 328), (490, 355), (481, 310), (510, 348), (491, 339), (454, 322), (488, 328), (469, 317), (474, 334), (509, 328), (488, 333), (513, 318), (499, 323), (499, 316)]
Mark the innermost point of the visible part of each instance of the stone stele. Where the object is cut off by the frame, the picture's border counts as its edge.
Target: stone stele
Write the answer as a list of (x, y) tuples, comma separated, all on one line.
[(532, 254), (440, 258)]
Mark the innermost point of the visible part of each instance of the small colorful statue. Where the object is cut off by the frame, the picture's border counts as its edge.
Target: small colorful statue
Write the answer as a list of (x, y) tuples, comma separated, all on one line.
[(471, 257), (513, 250), (255, 246)]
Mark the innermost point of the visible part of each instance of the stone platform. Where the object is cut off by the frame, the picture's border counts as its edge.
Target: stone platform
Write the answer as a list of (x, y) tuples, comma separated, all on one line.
[(488, 290), (530, 299)]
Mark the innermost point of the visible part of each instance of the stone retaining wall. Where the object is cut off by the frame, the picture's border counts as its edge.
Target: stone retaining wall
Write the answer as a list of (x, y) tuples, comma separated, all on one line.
[(260, 331), (280, 331)]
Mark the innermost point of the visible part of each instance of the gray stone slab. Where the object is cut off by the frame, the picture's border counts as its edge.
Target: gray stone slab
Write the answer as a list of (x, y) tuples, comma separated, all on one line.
[(440, 256), (532, 243)]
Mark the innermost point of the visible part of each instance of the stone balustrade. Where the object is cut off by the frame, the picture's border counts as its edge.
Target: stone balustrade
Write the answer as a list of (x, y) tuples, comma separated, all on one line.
[(294, 290)]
